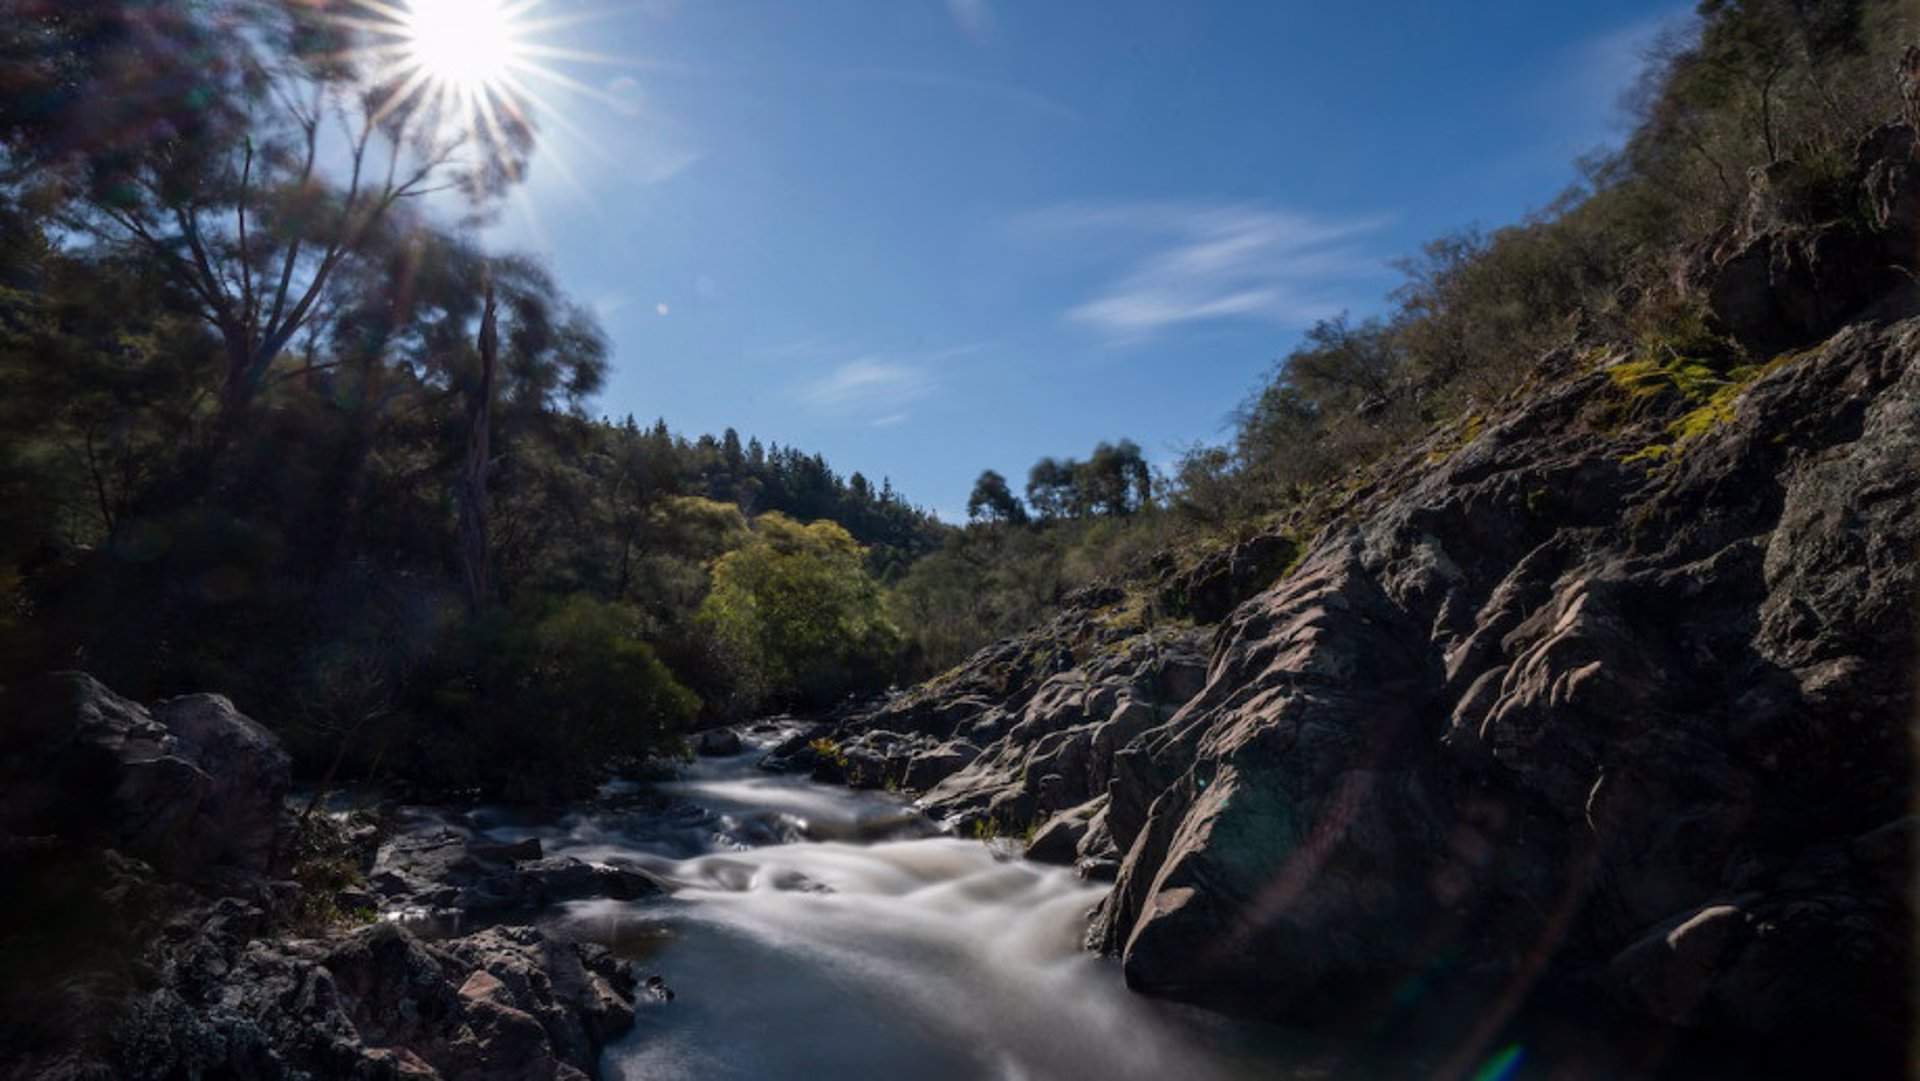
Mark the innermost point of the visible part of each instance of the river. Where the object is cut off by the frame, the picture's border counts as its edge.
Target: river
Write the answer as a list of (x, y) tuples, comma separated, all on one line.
[(816, 933)]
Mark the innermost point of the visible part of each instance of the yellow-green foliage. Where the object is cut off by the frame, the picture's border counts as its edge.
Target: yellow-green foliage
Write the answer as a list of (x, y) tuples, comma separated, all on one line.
[(699, 528), (1718, 397), (1468, 430), (1668, 356), (323, 866), (828, 749), (1651, 376), (797, 615), (1128, 613), (990, 830)]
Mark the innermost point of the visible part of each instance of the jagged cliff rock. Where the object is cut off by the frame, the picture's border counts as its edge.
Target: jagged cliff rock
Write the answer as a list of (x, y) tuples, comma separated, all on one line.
[(1653, 723), (1607, 689)]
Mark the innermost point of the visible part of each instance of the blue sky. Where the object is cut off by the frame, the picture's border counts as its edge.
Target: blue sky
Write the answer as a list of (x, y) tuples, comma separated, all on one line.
[(927, 237)]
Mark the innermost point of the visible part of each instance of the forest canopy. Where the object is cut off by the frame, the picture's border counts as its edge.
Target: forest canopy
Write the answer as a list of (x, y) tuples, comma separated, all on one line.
[(276, 426), (278, 423)]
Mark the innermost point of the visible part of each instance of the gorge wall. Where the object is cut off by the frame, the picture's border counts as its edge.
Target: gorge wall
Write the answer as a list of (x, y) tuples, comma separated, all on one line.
[(1606, 690)]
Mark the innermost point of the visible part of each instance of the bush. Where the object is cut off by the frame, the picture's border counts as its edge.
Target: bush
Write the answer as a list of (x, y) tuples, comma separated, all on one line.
[(535, 702), (796, 616)]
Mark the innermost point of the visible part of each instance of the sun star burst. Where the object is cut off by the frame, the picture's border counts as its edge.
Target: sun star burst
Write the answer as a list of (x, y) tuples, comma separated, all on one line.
[(466, 66), (471, 46)]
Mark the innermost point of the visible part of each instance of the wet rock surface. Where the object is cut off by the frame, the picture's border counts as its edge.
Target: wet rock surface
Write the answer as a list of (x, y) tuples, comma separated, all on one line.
[(441, 873), (1029, 727), (717, 742)]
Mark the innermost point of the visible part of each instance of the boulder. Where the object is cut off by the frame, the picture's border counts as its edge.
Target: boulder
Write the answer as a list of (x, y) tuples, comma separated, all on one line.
[(1220, 582), (445, 874), (717, 743), (1474, 720), (1058, 840), (929, 768), (193, 787), (1798, 268), (503, 1004)]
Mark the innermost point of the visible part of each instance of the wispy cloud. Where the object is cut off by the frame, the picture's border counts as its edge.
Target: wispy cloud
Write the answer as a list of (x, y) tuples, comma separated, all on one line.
[(973, 17), (663, 164), (623, 95), (870, 386), (611, 304), (880, 388), (1583, 101), (803, 350), (1580, 102), (1205, 262), (1605, 68)]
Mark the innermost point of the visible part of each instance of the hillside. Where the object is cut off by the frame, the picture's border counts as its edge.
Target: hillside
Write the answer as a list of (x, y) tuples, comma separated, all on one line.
[(1604, 693), (1527, 685)]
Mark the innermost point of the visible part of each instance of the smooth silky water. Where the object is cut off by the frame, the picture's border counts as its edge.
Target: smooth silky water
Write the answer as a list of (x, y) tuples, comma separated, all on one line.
[(817, 933)]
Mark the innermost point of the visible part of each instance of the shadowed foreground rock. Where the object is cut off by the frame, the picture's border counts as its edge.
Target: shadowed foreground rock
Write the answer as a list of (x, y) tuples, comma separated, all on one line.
[(193, 787), (503, 1004), (146, 925)]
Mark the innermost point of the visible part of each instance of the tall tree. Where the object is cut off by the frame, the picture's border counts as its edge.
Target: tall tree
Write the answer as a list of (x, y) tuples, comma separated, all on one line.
[(993, 501), (247, 210), (1050, 488), (473, 476)]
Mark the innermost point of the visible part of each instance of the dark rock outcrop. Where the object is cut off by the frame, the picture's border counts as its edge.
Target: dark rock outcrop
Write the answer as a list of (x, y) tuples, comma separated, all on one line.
[(1537, 714), (1060, 838), (506, 1003), (1223, 580), (448, 877), (717, 743), (149, 932), (1541, 703), (192, 787), (1030, 727), (1810, 254)]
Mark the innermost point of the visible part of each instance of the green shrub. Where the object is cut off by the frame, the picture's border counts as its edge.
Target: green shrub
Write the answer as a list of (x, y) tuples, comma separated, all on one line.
[(796, 616), (538, 699), (828, 749)]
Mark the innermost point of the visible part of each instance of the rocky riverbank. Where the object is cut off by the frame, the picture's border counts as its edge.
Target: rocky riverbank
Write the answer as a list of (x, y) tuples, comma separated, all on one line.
[(169, 916), (1605, 691)]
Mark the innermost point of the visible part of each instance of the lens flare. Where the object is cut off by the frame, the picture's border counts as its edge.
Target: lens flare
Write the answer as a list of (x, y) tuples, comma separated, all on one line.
[(471, 45), (469, 71)]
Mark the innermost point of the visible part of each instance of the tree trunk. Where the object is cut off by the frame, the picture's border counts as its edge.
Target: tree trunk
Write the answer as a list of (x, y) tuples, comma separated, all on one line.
[(347, 498), (473, 477)]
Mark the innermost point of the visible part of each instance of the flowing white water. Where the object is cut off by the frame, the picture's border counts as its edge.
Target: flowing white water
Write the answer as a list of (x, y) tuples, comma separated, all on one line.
[(822, 934), (817, 934)]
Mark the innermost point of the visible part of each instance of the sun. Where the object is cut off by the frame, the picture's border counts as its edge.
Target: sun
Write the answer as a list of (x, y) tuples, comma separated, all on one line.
[(459, 68), (471, 76), (469, 47)]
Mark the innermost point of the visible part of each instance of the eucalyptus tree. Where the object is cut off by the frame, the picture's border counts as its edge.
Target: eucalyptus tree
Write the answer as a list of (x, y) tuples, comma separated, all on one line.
[(994, 501), (272, 141)]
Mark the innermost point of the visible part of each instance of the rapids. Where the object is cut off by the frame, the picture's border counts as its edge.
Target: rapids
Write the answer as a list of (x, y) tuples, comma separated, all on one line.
[(817, 933)]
